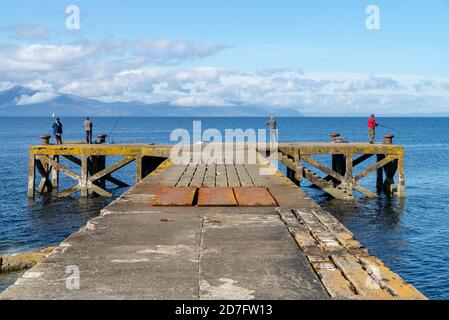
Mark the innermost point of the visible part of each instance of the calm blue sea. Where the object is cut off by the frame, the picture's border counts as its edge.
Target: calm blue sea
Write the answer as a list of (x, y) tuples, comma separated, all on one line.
[(411, 236)]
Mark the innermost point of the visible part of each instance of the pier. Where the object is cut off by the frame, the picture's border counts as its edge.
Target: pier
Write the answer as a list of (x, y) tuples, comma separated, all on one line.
[(216, 230), (339, 180)]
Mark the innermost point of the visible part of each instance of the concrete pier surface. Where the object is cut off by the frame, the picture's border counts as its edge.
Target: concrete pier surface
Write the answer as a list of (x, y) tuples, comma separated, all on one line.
[(223, 232)]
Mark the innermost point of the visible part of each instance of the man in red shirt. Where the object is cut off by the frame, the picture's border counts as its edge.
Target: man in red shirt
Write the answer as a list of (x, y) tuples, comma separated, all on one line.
[(372, 124)]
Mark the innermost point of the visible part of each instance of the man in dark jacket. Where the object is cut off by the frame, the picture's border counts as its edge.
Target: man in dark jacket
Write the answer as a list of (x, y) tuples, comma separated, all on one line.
[(272, 125), (88, 125), (57, 131)]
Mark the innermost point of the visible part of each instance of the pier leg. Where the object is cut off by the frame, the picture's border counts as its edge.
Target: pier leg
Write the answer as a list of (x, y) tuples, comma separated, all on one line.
[(139, 175), (401, 178), (339, 166), (380, 175), (98, 163), (55, 176), (299, 169), (101, 164), (84, 175), (31, 175), (44, 168), (291, 175), (348, 174), (390, 172)]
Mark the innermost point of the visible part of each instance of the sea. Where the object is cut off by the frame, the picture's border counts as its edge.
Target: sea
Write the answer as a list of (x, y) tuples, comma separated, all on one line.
[(411, 235)]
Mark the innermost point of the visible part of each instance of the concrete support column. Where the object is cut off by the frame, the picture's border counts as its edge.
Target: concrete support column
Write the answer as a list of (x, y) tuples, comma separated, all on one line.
[(380, 175), (31, 175), (348, 173), (401, 178), (390, 171), (139, 172), (55, 176), (84, 175)]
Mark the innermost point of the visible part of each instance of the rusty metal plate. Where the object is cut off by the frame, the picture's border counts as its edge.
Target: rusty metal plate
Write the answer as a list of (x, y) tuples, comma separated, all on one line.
[(175, 196), (216, 197), (254, 197)]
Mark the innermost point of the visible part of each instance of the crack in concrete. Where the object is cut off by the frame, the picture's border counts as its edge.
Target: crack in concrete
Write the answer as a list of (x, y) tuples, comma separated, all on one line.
[(200, 253)]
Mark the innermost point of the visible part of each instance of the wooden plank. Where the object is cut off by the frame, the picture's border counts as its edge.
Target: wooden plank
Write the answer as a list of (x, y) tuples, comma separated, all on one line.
[(244, 177), (221, 178), (69, 191), (233, 178), (111, 169), (209, 179), (333, 280), (355, 163), (322, 167), (40, 161), (45, 171), (73, 159), (64, 169), (198, 177), (374, 167), (187, 176), (117, 182), (365, 191), (391, 281), (363, 283), (100, 191)]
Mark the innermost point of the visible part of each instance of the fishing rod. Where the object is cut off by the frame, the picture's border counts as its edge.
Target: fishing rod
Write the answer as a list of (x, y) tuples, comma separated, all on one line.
[(109, 137), (389, 128)]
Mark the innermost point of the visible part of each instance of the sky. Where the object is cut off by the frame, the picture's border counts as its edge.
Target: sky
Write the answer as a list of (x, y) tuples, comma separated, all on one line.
[(319, 57)]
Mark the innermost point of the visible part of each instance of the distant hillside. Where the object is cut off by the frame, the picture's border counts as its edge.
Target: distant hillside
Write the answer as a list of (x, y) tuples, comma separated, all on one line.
[(18, 101)]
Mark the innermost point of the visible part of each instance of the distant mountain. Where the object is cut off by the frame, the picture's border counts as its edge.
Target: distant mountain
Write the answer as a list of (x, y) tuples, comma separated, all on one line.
[(11, 96), (16, 102)]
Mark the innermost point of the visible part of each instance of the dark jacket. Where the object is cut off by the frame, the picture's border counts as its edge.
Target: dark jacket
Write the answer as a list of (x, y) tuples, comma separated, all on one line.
[(272, 124), (57, 127)]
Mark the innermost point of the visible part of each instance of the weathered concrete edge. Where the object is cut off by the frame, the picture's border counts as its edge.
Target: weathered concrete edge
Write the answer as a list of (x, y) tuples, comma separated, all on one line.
[(23, 261)]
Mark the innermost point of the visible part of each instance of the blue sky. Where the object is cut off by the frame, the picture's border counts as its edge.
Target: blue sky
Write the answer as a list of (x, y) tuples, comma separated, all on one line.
[(306, 41)]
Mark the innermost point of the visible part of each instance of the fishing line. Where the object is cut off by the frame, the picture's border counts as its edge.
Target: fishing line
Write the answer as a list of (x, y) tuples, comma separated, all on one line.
[(389, 128), (110, 136)]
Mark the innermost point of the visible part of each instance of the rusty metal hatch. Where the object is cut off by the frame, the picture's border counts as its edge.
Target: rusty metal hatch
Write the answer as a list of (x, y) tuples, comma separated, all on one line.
[(175, 196), (216, 197), (254, 197)]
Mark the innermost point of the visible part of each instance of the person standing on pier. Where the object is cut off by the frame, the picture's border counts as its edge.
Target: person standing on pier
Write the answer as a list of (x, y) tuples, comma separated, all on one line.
[(372, 124), (272, 125), (88, 125), (57, 131)]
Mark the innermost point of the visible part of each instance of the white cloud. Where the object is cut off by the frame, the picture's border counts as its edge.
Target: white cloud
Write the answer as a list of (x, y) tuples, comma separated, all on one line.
[(122, 71), (52, 54), (25, 31), (39, 97), (200, 101), (6, 85), (169, 50)]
